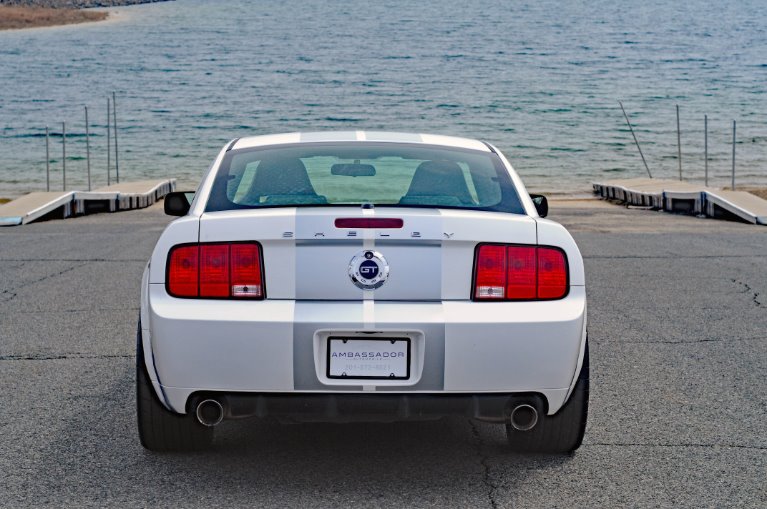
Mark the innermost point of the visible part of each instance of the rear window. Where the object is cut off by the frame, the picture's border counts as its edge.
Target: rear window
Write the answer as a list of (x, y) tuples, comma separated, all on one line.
[(382, 174)]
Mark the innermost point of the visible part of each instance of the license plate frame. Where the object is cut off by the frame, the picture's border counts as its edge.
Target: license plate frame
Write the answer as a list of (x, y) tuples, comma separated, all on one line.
[(345, 339)]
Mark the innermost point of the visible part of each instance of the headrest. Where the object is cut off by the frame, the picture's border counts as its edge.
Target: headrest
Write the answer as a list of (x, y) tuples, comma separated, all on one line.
[(281, 176), (439, 178)]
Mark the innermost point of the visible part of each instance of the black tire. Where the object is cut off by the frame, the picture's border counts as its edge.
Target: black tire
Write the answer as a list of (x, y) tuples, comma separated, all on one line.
[(159, 429), (561, 433)]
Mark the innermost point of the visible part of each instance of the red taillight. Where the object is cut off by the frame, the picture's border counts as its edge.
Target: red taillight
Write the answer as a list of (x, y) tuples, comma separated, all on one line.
[(216, 270), (491, 273), (552, 273), (246, 271), (520, 273), (183, 271)]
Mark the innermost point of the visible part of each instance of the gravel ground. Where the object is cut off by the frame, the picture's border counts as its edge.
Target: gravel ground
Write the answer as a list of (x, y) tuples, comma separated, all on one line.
[(679, 376)]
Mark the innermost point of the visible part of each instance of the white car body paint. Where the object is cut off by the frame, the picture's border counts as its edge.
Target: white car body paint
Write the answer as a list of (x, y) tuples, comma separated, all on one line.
[(278, 345)]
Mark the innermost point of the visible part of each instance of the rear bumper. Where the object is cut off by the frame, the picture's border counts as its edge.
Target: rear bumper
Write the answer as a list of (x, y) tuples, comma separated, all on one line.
[(461, 348), (303, 407)]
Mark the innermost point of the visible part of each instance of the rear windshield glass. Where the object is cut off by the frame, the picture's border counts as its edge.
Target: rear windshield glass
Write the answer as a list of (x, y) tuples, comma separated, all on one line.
[(385, 174)]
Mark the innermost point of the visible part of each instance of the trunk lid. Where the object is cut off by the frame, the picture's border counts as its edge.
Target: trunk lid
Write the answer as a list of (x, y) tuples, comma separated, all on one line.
[(306, 257)]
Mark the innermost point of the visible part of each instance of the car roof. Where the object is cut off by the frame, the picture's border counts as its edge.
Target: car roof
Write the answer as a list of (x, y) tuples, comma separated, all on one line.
[(354, 136)]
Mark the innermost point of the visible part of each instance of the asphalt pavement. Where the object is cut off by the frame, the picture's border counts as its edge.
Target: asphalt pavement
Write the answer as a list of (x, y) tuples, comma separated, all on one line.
[(678, 411)]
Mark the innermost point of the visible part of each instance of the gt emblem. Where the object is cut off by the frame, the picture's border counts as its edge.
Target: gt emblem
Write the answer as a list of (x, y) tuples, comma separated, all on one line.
[(368, 270)]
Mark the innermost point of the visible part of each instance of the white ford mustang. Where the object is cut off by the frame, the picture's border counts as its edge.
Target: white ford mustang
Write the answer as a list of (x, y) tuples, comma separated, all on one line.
[(353, 276)]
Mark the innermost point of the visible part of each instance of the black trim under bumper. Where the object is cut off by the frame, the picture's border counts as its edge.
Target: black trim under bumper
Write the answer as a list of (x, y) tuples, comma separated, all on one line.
[(377, 407)]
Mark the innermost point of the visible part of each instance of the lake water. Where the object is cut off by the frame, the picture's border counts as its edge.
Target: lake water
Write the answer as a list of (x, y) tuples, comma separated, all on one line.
[(539, 79)]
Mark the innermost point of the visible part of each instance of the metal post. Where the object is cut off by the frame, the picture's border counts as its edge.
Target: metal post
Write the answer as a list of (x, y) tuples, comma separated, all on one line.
[(109, 142), (114, 119), (88, 148), (47, 160), (635, 139), (705, 146), (64, 154), (679, 142), (733, 155)]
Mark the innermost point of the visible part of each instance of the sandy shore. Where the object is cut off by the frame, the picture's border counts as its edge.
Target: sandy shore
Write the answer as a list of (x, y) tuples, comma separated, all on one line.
[(43, 14), (14, 18)]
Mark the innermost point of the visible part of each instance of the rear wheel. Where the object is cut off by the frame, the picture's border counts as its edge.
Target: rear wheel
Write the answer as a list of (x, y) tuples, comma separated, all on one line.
[(560, 433), (160, 429)]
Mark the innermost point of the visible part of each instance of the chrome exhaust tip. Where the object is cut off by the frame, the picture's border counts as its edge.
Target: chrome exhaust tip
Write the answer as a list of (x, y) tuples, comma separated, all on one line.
[(210, 412), (524, 417)]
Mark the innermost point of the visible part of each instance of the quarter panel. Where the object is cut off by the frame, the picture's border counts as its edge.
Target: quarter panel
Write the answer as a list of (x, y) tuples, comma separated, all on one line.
[(181, 231), (521, 345), (554, 234), (233, 345)]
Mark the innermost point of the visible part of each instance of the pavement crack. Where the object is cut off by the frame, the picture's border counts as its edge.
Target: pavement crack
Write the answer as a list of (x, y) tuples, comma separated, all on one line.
[(687, 445), (684, 341), (483, 460), (665, 257), (44, 357), (76, 310), (13, 291), (755, 297)]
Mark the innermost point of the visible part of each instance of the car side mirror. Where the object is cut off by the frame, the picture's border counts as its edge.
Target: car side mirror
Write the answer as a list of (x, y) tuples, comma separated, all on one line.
[(178, 203), (541, 204)]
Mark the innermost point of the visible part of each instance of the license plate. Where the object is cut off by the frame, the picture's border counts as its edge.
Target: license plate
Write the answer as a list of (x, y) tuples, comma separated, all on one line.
[(379, 358)]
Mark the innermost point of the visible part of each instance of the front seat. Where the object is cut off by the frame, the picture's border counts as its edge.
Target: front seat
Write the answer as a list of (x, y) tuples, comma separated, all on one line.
[(438, 183), (282, 181)]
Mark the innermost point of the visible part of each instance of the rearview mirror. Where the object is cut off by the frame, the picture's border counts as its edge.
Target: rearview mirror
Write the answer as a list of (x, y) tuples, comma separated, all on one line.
[(353, 170), (541, 204), (178, 203)]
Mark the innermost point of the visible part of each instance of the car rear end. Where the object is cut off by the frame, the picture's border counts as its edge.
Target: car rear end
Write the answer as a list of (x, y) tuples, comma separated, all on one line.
[(346, 279)]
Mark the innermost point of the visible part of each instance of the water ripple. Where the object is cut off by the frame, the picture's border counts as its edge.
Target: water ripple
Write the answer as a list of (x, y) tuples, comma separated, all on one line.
[(542, 88)]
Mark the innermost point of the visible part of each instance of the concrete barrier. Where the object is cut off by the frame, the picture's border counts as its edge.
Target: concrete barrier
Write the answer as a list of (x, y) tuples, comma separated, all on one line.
[(138, 195), (682, 197), (61, 205), (746, 206), (33, 206)]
